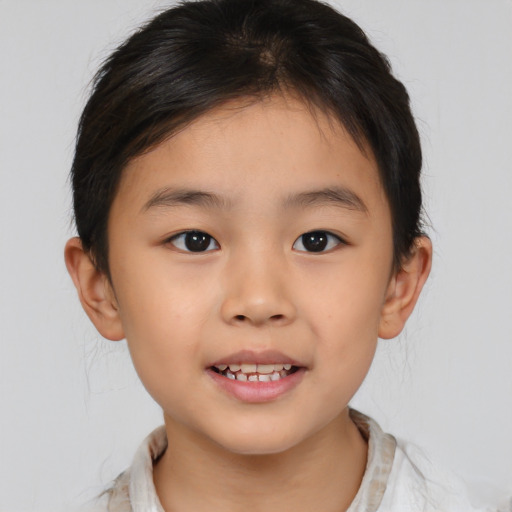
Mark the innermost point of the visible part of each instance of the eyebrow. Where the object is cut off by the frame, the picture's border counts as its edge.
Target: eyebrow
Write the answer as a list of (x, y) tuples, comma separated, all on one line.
[(170, 197), (337, 196)]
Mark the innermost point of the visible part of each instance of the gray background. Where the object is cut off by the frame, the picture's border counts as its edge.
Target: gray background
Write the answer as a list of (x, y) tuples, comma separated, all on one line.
[(72, 409)]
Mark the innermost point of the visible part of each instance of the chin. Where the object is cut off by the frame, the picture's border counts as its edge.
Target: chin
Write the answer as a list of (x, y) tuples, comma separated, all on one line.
[(259, 442)]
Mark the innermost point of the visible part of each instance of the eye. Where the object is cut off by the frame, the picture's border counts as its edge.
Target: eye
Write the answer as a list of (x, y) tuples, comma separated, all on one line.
[(194, 241), (317, 241)]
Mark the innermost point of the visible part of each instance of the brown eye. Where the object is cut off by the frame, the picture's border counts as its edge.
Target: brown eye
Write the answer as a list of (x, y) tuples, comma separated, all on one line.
[(194, 241), (316, 241)]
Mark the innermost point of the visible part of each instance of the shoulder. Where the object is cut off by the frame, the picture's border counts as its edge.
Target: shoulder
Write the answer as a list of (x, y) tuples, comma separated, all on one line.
[(133, 490), (415, 483), (114, 499), (399, 477)]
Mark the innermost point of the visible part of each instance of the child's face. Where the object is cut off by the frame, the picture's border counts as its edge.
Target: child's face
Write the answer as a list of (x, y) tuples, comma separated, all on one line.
[(250, 288)]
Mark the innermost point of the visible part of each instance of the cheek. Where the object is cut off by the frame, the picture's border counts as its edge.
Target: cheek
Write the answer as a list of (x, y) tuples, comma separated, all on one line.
[(153, 293), (347, 342), (345, 300), (344, 309), (162, 311)]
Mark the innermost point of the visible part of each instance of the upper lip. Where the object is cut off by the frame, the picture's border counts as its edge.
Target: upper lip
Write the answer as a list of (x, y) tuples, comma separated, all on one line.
[(250, 356)]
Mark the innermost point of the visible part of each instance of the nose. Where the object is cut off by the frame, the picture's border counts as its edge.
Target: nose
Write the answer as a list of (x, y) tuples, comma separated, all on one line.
[(256, 293)]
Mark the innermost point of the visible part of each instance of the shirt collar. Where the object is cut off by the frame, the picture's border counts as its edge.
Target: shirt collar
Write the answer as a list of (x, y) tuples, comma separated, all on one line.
[(138, 481), (381, 453)]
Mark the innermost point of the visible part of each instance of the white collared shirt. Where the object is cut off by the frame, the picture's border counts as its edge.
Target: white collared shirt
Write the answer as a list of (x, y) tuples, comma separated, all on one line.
[(398, 478)]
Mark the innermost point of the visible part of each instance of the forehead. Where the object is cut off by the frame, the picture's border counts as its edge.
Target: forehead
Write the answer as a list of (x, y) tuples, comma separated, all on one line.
[(256, 151)]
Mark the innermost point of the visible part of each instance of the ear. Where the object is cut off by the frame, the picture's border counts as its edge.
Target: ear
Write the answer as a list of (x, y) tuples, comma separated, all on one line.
[(404, 289), (94, 290)]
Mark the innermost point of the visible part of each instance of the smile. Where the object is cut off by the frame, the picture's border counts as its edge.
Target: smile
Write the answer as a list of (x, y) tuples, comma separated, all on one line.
[(251, 372)]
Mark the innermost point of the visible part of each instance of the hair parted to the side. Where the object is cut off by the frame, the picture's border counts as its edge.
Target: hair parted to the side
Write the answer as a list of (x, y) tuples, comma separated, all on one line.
[(200, 54)]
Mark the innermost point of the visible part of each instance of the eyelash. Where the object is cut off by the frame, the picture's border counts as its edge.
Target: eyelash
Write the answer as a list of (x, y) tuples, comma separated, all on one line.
[(327, 242), (180, 241), (323, 240)]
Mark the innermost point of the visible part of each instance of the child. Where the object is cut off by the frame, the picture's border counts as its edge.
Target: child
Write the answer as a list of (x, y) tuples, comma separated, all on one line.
[(247, 199)]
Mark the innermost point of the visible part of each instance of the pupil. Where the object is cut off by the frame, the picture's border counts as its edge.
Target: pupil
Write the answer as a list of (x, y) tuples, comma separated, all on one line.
[(315, 242), (196, 241)]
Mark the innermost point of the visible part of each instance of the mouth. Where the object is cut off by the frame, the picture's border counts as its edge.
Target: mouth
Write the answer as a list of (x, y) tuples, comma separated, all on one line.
[(251, 372), (257, 377)]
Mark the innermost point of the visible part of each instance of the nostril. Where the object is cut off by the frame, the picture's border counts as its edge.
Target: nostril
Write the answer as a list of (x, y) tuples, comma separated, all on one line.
[(243, 318)]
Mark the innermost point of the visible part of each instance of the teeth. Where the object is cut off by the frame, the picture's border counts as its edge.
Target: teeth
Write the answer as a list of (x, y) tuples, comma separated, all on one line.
[(253, 368), (242, 377), (265, 368), (248, 368), (255, 372)]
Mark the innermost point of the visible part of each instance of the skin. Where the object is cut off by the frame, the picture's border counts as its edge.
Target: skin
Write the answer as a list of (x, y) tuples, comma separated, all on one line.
[(256, 288)]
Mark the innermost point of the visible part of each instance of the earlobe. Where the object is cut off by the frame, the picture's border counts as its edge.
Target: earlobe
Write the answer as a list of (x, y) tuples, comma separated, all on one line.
[(404, 289), (94, 290)]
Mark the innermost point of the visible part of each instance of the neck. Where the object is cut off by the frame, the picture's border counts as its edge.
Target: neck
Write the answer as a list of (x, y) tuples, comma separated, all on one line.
[(323, 473)]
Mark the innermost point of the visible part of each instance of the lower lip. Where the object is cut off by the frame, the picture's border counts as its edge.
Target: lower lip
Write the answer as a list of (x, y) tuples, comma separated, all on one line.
[(258, 392)]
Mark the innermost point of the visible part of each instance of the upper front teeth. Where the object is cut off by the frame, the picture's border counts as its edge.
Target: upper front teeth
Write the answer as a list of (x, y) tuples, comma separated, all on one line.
[(246, 368)]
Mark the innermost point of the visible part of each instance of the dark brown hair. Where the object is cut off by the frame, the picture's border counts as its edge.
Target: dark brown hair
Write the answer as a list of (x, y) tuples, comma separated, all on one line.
[(200, 54)]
